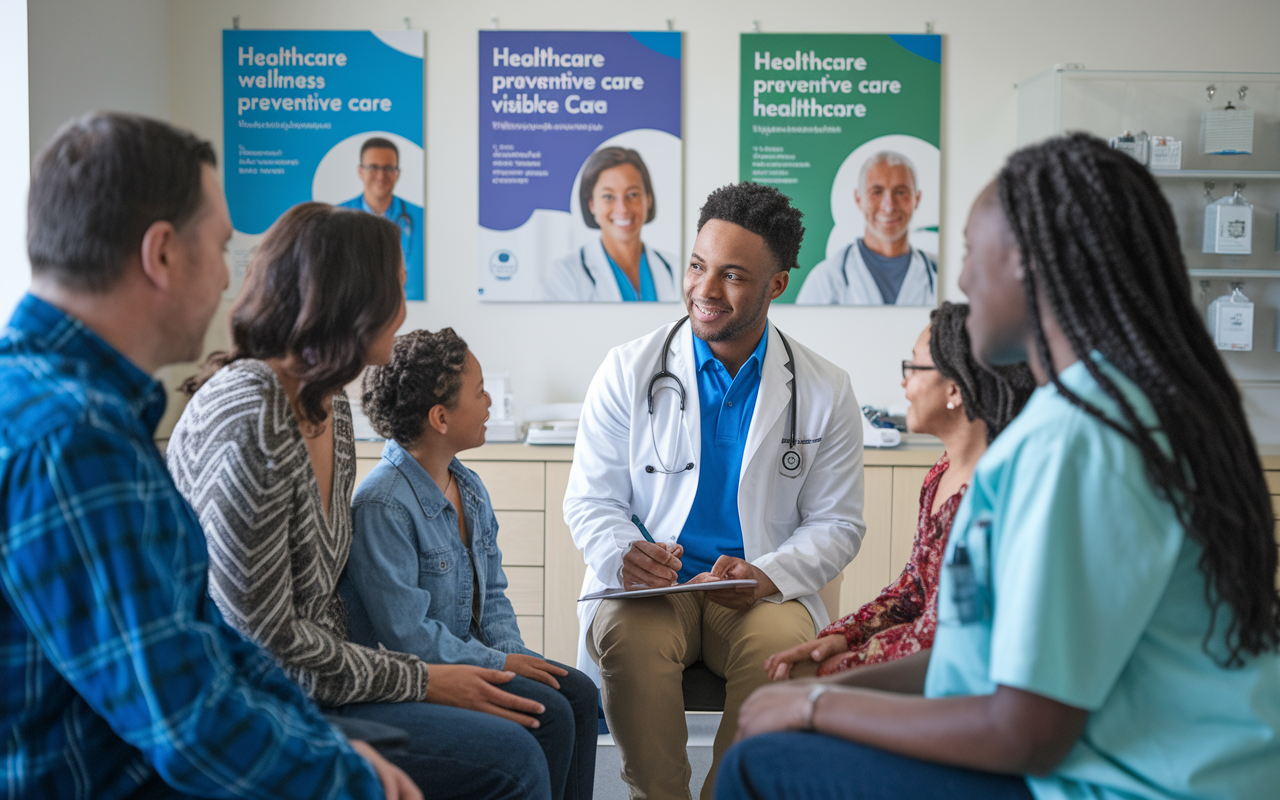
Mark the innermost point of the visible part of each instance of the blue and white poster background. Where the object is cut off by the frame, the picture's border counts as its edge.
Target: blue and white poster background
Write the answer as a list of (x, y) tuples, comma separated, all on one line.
[(532, 152), (296, 107)]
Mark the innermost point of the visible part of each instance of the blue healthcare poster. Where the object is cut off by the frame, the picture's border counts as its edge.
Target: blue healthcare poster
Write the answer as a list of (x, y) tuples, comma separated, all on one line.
[(334, 116), (581, 195)]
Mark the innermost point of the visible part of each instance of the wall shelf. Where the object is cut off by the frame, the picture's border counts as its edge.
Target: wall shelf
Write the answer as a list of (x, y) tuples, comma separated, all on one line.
[(1233, 274), (1220, 175), (1105, 102)]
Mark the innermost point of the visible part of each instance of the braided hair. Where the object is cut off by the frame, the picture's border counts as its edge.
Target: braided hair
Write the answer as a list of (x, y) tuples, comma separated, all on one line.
[(993, 394), (1102, 252)]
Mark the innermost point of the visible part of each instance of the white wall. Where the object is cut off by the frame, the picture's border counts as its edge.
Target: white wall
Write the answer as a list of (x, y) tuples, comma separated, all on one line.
[(88, 55), (74, 56), (14, 273), (553, 350)]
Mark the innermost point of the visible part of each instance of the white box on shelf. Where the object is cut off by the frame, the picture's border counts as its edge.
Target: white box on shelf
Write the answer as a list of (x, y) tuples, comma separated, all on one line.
[(1166, 152), (1227, 133), (1231, 322), (1228, 228), (497, 384)]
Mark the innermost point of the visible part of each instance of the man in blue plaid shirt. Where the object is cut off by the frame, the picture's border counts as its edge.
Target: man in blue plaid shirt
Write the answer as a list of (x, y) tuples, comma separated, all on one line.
[(118, 676)]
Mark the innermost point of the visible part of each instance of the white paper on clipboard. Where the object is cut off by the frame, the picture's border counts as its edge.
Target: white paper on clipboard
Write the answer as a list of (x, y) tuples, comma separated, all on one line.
[(655, 591)]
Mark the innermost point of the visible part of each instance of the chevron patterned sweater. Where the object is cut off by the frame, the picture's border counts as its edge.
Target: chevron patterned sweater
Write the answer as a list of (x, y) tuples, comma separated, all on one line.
[(238, 456)]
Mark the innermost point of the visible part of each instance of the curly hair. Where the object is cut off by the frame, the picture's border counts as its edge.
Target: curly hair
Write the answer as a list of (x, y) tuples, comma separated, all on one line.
[(764, 211), (994, 395), (425, 371)]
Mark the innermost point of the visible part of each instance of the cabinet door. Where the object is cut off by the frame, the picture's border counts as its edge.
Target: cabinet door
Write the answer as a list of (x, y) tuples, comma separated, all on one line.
[(872, 568), (565, 571), (512, 485), (907, 482)]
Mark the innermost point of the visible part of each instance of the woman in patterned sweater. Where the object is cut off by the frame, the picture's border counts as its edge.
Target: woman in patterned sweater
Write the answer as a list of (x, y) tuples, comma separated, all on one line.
[(264, 452), (965, 405)]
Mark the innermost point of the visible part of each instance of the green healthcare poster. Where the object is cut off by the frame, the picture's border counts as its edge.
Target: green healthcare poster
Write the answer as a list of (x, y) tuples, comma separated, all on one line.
[(847, 125)]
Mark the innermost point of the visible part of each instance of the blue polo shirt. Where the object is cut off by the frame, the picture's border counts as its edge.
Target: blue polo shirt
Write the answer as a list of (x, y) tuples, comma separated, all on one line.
[(713, 528)]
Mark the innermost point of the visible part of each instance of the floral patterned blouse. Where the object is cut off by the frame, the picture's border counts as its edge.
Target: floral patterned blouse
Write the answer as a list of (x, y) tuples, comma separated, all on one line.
[(902, 620)]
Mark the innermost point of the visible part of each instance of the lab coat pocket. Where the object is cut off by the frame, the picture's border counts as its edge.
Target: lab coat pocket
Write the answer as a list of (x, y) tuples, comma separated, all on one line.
[(787, 478)]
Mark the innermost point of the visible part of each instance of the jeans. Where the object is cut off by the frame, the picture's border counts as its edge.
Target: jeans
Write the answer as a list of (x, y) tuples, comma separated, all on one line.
[(807, 766), (568, 731), (455, 753)]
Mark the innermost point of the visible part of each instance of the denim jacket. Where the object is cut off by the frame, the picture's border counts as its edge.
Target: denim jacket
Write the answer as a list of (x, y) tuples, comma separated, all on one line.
[(408, 581)]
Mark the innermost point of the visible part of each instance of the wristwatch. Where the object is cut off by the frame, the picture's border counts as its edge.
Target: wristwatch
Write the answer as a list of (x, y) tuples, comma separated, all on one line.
[(814, 694)]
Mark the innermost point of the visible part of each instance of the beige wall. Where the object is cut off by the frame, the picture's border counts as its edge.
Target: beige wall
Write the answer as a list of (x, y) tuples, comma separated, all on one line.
[(552, 351)]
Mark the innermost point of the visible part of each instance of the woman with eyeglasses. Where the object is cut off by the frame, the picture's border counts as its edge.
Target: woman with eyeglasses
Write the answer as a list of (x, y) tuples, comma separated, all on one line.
[(965, 405)]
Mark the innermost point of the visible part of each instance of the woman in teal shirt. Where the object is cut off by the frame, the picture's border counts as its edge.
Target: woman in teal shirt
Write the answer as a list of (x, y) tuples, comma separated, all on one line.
[(1108, 620)]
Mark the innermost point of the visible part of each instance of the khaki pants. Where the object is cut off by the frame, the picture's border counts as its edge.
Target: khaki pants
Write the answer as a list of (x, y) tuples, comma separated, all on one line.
[(642, 647)]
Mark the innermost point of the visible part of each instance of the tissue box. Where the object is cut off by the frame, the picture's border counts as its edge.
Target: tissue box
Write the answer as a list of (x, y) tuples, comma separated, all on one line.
[(1228, 229)]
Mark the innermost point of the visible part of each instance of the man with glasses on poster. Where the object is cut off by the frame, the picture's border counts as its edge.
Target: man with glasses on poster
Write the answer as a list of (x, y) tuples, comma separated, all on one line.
[(379, 171)]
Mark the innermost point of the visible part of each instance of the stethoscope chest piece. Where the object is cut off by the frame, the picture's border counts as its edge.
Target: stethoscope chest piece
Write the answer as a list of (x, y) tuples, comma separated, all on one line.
[(792, 463)]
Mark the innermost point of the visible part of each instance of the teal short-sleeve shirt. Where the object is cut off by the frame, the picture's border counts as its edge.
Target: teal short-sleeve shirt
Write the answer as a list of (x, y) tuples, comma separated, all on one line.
[(1082, 586)]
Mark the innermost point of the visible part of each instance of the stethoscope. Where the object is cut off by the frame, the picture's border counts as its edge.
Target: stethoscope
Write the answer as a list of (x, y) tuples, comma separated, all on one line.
[(405, 222), (929, 270), (582, 258), (791, 462)]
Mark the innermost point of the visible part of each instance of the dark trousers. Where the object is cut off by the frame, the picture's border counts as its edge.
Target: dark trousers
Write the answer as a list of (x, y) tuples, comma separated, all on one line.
[(809, 766)]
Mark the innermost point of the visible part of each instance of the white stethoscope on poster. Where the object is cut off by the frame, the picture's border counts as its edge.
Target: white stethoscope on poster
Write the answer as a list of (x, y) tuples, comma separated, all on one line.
[(791, 462)]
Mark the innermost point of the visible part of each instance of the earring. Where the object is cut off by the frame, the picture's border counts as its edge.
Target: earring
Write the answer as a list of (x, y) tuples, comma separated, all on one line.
[(950, 404)]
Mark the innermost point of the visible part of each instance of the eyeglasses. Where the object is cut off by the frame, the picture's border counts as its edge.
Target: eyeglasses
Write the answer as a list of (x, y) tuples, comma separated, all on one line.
[(384, 170), (907, 367)]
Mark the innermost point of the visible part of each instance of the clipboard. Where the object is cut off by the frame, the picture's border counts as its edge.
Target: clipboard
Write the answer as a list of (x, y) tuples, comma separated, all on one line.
[(678, 588)]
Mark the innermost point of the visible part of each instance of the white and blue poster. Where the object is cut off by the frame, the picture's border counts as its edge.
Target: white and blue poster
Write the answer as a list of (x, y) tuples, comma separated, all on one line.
[(581, 197), (334, 116)]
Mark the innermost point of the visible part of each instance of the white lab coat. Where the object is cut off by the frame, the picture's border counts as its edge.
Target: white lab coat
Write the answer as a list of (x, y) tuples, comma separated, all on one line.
[(845, 281), (800, 531), (584, 276)]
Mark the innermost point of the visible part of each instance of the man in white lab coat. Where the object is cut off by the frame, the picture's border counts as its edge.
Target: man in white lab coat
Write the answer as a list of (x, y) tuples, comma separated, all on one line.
[(881, 267), (743, 458)]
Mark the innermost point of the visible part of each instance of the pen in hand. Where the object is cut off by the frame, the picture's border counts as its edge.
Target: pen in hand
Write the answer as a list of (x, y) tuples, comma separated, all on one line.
[(674, 550)]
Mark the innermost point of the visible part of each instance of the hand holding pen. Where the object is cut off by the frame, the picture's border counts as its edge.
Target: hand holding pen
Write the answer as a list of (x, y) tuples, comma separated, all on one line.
[(648, 563)]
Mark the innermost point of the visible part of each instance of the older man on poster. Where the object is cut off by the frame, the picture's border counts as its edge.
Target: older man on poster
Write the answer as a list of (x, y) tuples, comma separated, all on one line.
[(881, 267)]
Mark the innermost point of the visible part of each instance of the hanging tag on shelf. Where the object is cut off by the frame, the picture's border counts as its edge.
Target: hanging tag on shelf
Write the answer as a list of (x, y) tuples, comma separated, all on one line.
[(1228, 225), (1166, 152), (1231, 321)]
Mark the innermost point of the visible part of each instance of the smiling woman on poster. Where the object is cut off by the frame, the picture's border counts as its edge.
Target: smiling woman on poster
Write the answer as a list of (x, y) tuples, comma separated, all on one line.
[(616, 197), (880, 267)]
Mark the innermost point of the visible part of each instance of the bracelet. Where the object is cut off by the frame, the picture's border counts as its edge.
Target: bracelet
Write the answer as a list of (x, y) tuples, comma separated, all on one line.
[(814, 694)]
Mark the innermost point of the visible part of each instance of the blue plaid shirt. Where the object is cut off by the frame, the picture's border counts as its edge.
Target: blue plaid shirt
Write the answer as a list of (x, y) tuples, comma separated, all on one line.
[(117, 670)]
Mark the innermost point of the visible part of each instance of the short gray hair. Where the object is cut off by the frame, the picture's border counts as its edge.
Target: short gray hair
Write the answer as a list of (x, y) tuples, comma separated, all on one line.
[(888, 158)]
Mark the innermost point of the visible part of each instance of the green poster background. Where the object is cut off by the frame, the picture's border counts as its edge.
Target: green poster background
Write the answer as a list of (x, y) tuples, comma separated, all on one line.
[(914, 61)]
